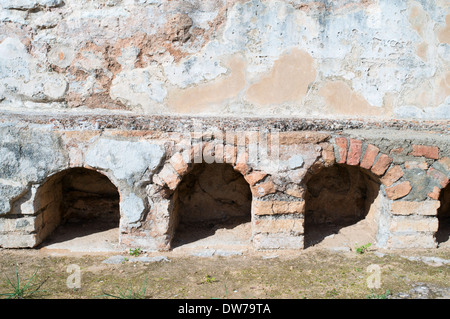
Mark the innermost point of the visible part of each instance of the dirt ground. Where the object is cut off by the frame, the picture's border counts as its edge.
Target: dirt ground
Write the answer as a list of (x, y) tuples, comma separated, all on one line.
[(210, 269)]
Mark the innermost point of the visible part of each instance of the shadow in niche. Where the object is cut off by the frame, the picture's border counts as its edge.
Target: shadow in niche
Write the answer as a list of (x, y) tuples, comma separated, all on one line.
[(213, 207), (80, 208), (337, 197), (443, 233)]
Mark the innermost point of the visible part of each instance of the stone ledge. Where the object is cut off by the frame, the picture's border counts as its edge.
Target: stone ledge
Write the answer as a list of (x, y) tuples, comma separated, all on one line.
[(278, 207), (428, 208), (278, 241), (417, 240), (279, 225), (403, 224), (15, 240), (92, 121)]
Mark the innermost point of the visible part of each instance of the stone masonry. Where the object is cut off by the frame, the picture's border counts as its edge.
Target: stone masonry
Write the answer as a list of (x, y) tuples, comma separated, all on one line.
[(140, 91), (147, 164)]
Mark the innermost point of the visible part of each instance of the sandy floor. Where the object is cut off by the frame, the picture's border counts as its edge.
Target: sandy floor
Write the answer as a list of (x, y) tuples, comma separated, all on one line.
[(87, 238), (233, 237)]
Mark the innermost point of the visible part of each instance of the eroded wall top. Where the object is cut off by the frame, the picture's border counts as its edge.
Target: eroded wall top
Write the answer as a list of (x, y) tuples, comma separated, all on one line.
[(350, 59)]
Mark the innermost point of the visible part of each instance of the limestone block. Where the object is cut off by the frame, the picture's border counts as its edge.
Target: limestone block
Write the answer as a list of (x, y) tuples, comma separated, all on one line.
[(413, 225), (131, 208), (417, 240), (127, 160), (29, 4), (7, 193), (278, 225), (278, 241), (427, 208), (20, 224), (278, 207), (297, 156), (17, 240), (44, 155)]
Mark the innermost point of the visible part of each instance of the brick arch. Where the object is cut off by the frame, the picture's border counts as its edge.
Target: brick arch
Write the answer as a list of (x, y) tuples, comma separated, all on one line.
[(181, 163), (175, 167), (342, 188), (50, 195), (412, 177), (355, 152), (442, 180)]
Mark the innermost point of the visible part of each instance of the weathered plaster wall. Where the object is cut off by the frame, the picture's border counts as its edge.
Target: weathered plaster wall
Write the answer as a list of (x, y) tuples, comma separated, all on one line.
[(374, 58)]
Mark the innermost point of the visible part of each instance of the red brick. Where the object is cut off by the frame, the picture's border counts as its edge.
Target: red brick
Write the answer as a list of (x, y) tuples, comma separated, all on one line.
[(254, 177), (444, 163), (398, 191), (341, 143), (396, 151), (179, 164), (327, 154), (369, 156), (381, 165), (438, 176), (354, 152), (435, 193), (392, 175), (242, 163), (425, 151), (169, 176), (263, 189)]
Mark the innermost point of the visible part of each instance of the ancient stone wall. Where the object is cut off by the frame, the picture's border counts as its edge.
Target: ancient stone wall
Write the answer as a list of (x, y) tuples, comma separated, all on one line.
[(302, 99), (404, 174)]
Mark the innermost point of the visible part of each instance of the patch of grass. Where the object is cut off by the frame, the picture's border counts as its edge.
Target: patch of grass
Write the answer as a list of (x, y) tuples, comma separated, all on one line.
[(311, 274), (24, 291), (131, 293), (209, 279), (362, 249), (332, 293), (135, 252), (384, 295)]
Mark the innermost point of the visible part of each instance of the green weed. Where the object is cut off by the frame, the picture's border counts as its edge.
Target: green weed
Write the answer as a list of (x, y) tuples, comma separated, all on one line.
[(20, 291)]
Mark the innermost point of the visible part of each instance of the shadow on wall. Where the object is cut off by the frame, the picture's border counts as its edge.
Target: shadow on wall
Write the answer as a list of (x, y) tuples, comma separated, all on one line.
[(337, 197), (209, 198), (80, 200), (443, 214)]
